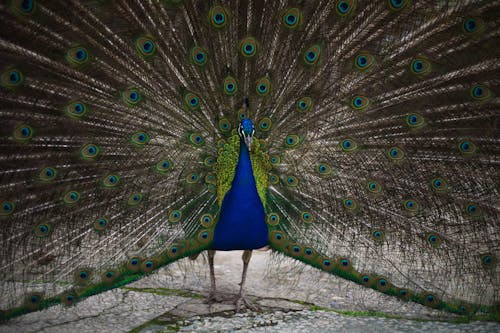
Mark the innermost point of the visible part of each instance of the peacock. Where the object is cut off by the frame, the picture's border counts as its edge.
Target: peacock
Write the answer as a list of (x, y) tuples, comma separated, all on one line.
[(358, 137)]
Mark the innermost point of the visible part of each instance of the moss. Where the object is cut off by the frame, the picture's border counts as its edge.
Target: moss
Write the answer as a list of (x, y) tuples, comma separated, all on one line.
[(166, 292)]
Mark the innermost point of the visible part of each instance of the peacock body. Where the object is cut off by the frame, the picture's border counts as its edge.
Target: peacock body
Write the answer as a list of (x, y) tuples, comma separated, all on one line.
[(358, 137)]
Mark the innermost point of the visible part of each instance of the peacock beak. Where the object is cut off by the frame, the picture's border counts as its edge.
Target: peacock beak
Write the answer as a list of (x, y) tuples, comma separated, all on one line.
[(248, 142)]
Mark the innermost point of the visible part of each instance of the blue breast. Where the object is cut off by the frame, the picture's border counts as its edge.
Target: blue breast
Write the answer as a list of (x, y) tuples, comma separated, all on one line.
[(242, 223)]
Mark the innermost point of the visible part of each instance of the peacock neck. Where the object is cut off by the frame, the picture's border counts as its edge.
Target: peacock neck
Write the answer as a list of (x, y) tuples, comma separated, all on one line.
[(241, 225), (243, 177)]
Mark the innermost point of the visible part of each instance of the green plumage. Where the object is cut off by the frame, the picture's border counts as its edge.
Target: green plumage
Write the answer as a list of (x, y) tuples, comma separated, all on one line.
[(375, 152)]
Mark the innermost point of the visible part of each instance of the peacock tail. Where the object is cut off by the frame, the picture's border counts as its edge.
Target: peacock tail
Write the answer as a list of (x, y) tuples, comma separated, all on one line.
[(375, 154)]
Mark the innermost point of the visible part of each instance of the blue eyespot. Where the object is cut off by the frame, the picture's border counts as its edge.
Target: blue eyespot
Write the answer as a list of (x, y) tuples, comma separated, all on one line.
[(249, 48), (27, 6), (81, 54), (263, 86), (397, 5), (362, 61), (291, 19), (217, 16), (311, 56), (478, 91), (25, 132), (418, 66), (14, 77), (470, 25), (467, 147), (200, 56), (343, 7), (147, 47)]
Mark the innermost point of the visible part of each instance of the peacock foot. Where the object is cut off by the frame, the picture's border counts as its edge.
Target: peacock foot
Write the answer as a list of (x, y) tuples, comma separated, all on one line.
[(242, 302), (213, 297)]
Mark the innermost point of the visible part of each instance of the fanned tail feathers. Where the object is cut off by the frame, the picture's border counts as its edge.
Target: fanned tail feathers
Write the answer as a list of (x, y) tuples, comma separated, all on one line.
[(377, 122)]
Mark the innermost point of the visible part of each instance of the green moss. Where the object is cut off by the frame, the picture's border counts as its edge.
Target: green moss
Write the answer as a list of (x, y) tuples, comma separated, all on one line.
[(166, 292)]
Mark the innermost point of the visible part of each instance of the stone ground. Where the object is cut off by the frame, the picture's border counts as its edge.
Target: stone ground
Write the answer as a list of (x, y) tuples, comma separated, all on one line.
[(293, 298)]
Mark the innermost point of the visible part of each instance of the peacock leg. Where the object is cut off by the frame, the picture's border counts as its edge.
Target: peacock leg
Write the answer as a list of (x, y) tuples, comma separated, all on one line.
[(241, 300), (212, 296)]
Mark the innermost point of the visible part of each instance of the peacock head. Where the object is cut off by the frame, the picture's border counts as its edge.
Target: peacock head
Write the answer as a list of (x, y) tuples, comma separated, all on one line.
[(246, 130)]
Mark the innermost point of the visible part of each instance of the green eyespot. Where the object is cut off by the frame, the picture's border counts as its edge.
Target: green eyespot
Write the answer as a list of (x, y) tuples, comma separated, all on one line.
[(23, 133), (230, 86), (192, 101), (359, 103), (131, 96), (420, 66), (248, 47), (11, 78), (305, 104), (134, 199), (292, 141), (364, 61), (265, 124), (199, 56), (273, 219), (77, 56), (76, 109), (145, 46), (164, 166), (312, 55), (140, 138), (263, 86), (218, 17), (175, 216), (292, 18), (196, 139)]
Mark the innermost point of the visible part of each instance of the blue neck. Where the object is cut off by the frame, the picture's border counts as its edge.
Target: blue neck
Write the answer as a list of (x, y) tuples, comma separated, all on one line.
[(242, 223)]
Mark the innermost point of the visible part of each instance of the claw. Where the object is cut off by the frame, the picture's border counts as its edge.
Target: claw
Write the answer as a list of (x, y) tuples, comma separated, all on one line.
[(241, 302), (213, 298)]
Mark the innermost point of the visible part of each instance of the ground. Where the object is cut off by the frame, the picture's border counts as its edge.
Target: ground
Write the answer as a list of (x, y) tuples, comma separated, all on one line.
[(292, 298)]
